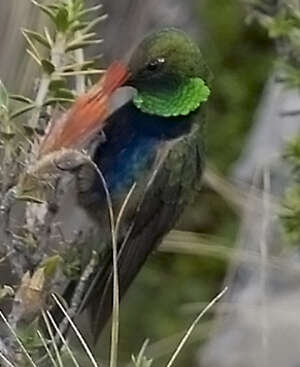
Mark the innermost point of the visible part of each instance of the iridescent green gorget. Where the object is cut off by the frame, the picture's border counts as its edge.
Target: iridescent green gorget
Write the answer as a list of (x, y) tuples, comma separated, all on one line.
[(186, 99)]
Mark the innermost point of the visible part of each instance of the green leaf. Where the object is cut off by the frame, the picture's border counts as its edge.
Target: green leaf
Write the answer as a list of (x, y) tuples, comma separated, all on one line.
[(78, 66), (20, 98), (58, 100), (6, 291), (90, 25), (280, 26), (82, 44), (51, 264), (141, 360), (292, 152), (90, 10), (44, 9), (7, 135), (29, 130), (54, 6), (48, 67), (29, 336), (34, 50), (290, 214), (48, 37), (57, 83), (62, 20), (37, 37), (4, 99), (74, 9), (78, 26), (64, 93), (21, 111), (34, 57)]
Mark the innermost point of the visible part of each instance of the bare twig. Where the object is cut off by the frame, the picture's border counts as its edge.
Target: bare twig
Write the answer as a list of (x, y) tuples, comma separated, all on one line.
[(79, 291)]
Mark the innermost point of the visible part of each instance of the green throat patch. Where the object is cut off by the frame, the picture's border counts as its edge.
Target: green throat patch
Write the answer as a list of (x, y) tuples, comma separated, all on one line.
[(187, 98)]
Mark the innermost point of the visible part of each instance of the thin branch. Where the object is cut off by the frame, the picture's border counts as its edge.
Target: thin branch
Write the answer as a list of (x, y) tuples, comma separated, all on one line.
[(39, 101), (79, 79), (80, 289)]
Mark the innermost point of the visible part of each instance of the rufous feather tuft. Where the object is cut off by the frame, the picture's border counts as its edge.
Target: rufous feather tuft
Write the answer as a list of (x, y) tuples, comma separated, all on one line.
[(87, 115)]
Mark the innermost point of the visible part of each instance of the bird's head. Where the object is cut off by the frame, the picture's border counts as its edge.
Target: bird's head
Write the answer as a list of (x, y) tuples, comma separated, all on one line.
[(169, 74)]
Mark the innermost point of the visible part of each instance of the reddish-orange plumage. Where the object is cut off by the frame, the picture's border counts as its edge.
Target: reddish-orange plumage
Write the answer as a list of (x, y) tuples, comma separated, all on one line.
[(87, 115)]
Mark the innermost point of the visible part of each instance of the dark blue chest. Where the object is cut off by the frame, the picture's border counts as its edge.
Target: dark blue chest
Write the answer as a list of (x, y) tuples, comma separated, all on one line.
[(122, 167), (132, 141)]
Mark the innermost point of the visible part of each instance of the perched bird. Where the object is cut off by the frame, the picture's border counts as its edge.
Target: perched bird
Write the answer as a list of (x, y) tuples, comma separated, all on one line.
[(155, 142)]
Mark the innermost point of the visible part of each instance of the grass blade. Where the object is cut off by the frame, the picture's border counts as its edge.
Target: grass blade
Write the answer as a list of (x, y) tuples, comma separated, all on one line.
[(9, 364), (194, 324), (64, 341), (50, 331), (76, 331), (47, 348), (18, 340)]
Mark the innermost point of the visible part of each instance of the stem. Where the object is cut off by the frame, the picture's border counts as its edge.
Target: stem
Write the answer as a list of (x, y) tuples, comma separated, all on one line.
[(57, 59), (79, 79), (58, 51), (39, 101)]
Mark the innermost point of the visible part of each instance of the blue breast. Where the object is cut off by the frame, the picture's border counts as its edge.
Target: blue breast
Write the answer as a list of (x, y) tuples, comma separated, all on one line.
[(128, 164), (132, 140)]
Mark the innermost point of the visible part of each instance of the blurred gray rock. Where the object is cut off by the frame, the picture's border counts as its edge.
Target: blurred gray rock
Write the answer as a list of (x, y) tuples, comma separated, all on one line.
[(258, 322), (272, 129)]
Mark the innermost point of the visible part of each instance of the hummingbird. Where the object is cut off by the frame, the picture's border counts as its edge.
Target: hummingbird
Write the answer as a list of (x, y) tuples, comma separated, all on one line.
[(153, 148)]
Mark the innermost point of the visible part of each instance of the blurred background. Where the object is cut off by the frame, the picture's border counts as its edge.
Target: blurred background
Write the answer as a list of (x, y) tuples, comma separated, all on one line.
[(231, 234)]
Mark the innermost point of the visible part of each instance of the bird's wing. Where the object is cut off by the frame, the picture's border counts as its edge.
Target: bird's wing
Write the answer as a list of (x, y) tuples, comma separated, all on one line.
[(164, 199)]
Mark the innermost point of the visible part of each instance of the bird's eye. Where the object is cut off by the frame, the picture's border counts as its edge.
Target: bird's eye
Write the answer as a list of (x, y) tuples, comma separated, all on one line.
[(155, 64)]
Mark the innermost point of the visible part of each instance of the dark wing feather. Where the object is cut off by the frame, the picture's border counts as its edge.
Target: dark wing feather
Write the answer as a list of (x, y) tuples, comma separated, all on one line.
[(160, 208)]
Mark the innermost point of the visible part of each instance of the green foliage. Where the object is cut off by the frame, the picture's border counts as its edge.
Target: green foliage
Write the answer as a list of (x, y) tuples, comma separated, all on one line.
[(241, 58), (58, 52), (282, 21), (290, 209), (4, 101), (232, 51), (72, 263), (290, 214), (292, 153), (72, 31), (283, 25), (141, 360), (29, 337)]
